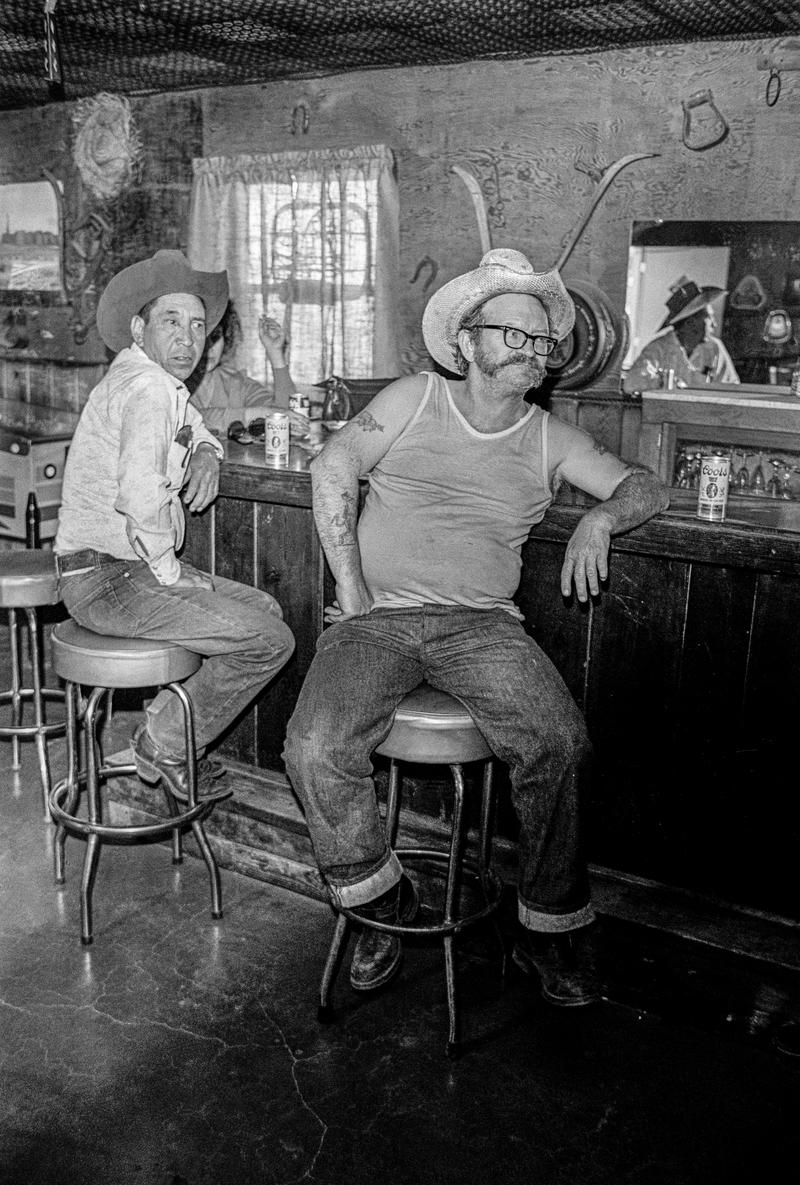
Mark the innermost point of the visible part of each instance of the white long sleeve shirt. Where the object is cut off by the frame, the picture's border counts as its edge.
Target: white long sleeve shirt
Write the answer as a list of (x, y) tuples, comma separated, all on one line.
[(127, 463)]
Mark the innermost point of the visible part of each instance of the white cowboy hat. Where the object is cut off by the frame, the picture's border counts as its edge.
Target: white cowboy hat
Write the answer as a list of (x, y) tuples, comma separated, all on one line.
[(499, 272), (131, 289)]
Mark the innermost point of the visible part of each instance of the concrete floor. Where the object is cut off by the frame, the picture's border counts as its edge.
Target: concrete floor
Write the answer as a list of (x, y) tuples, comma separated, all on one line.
[(181, 1051)]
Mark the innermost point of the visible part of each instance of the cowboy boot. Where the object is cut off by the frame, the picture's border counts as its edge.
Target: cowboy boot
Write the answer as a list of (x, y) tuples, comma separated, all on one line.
[(378, 955), (564, 964)]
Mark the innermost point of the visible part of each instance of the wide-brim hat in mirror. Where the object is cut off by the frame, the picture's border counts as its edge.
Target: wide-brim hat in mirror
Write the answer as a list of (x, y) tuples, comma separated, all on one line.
[(499, 272), (686, 299), (130, 290)]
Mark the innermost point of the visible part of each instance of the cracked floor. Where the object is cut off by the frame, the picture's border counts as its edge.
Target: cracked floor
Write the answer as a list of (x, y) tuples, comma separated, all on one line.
[(182, 1051)]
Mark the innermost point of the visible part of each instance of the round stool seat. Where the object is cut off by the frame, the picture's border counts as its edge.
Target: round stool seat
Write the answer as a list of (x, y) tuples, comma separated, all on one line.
[(27, 579), (98, 660), (433, 728)]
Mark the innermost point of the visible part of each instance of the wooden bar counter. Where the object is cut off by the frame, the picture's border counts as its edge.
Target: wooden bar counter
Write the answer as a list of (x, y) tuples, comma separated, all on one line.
[(687, 668)]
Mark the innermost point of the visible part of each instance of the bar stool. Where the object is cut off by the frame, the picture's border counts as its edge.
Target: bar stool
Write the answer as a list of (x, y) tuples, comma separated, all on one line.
[(432, 728), (28, 581), (84, 658)]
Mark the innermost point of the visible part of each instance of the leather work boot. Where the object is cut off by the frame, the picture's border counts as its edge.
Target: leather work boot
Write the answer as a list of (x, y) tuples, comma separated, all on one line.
[(564, 964), (154, 766), (378, 956)]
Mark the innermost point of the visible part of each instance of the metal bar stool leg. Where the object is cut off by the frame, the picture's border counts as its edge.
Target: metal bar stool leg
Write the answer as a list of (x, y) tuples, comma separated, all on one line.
[(197, 824), (393, 802), (71, 694), (331, 969), (16, 685), (38, 707), (94, 808), (451, 905), (485, 855)]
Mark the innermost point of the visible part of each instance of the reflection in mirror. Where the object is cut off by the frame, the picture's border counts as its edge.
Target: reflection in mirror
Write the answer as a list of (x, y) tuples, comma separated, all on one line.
[(30, 241), (712, 303)]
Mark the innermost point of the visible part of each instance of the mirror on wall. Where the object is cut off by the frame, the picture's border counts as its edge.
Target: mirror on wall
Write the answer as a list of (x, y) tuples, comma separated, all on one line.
[(714, 303), (30, 242)]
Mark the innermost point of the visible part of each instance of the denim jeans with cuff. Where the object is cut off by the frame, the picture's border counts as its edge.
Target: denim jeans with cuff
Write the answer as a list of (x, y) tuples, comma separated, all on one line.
[(238, 629), (362, 669)]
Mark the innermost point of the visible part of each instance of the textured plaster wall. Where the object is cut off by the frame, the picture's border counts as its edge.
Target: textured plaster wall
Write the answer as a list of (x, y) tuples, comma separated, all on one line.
[(535, 132)]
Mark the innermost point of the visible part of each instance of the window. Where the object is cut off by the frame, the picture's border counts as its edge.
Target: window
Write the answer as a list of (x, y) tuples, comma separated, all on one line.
[(311, 239)]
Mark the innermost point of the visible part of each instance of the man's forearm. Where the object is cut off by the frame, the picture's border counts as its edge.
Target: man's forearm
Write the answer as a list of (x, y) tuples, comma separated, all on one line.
[(335, 501), (637, 498)]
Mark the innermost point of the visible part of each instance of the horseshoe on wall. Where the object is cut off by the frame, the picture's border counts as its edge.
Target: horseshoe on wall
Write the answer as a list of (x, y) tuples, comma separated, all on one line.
[(432, 268)]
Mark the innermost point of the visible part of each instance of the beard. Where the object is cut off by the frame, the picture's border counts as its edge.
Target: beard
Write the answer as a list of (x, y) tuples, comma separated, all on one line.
[(531, 374)]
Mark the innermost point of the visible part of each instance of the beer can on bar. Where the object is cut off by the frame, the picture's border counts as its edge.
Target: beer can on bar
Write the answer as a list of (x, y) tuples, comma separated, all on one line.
[(712, 497), (276, 439), (299, 403)]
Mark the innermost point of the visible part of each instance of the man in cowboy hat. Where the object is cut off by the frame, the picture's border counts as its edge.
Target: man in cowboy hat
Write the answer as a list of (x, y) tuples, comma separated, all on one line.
[(459, 471), (686, 343), (139, 449)]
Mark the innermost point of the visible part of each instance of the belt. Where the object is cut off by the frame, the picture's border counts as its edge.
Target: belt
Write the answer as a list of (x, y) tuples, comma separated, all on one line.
[(71, 563)]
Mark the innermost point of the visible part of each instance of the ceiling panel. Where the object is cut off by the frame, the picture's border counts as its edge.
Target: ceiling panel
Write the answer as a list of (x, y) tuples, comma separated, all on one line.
[(143, 46)]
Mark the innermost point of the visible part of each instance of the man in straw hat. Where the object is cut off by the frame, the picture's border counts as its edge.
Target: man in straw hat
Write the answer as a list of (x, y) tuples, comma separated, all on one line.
[(139, 449), (459, 471), (686, 343)]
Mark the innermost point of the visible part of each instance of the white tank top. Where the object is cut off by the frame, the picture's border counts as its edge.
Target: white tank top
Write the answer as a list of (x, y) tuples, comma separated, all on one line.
[(449, 508)]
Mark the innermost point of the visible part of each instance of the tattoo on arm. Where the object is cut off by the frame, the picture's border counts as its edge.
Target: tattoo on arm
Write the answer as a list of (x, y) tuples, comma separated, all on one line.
[(367, 422), (344, 520)]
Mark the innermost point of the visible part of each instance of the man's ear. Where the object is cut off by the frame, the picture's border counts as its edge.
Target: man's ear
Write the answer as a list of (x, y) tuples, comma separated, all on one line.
[(466, 344), (137, 329)]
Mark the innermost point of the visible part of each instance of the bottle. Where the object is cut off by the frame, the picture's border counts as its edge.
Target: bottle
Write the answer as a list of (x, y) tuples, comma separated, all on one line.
[(794, 382), (33, 521), (337, 400)]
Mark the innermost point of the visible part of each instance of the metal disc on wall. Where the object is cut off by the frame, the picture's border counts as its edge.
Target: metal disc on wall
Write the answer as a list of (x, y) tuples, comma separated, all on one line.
[(589, 347)]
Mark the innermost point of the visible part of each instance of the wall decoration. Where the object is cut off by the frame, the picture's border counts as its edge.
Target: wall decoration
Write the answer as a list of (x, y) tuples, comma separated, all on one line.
[(704, 125), (107, 146)]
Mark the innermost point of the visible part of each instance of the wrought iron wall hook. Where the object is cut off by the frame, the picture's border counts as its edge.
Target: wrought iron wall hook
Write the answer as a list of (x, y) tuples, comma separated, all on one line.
[(300, 118), (773, 91)]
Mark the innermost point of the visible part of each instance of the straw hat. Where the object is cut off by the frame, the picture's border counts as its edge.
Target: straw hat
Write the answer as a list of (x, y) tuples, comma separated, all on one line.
[(686, 299), (499, 272), (135, 286)]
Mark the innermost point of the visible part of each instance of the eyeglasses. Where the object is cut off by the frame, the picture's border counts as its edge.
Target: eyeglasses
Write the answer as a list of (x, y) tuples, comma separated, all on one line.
[(515, 339)]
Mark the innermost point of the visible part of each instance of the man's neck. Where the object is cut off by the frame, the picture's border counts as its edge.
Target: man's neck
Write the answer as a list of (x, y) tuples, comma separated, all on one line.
[(490, 403)]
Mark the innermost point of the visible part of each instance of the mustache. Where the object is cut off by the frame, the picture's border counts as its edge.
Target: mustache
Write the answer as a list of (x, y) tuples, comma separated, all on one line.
[(519, 359)]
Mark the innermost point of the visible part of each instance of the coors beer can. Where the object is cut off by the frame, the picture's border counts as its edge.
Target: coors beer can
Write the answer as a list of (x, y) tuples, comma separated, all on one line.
[(276, 439), (712, 496)]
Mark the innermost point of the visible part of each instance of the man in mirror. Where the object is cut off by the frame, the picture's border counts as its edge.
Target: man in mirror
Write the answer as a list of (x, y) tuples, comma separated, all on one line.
[(686, 351)]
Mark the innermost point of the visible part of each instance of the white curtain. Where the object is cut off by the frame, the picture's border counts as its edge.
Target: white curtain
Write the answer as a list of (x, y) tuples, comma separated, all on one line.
[(310, 238)]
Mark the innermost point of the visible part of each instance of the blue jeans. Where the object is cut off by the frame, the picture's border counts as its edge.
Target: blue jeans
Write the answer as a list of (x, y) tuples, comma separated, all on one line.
[(362, 669), (239, 629)]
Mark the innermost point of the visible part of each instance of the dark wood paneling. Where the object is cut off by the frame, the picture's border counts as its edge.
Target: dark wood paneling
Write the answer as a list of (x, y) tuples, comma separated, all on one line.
[(234, 535), (289, 566), (631, 693), (560, 627), (198, 547)]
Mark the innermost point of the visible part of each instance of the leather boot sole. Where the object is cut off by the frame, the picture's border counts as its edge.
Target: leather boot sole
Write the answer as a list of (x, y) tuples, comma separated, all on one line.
[(528, 966)]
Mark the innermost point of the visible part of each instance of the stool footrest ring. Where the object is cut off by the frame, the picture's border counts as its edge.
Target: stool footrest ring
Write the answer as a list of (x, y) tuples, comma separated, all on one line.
[(490, 883), (122, 832)]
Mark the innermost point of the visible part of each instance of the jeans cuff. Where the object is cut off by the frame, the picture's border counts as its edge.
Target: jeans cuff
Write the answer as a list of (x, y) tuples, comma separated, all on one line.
[(553, 923), (366, 890)]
